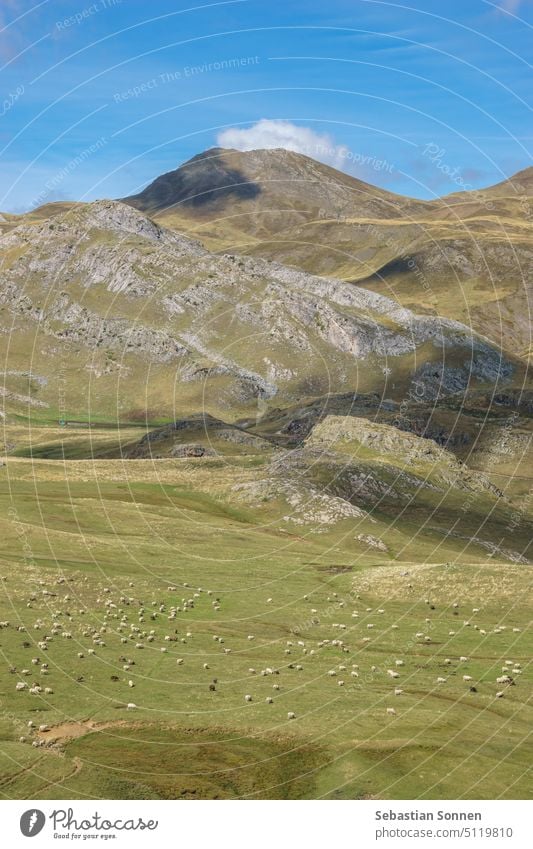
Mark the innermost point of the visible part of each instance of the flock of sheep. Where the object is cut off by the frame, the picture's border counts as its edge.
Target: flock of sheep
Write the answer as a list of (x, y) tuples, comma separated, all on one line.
[(136, 626)]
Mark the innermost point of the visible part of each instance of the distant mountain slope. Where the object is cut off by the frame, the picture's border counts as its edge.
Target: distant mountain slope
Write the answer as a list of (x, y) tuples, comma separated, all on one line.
[(105, 313), (468, 256), (221, 180)]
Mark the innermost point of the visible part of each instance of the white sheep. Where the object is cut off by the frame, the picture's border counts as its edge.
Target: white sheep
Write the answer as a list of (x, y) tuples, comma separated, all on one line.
[(131, 706), (248, 698), (391, 711), (291, 715)]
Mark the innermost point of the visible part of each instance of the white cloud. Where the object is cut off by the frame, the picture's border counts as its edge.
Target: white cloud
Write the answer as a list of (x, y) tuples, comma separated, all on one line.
[(267, 134)]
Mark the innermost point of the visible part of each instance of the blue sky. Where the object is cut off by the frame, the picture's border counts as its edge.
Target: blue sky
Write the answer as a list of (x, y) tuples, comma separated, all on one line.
[(99, 97)]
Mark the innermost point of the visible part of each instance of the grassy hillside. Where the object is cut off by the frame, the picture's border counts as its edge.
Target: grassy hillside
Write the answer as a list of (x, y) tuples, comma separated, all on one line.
[(108, 317), (105, 558), (202, 581), (468, 256)]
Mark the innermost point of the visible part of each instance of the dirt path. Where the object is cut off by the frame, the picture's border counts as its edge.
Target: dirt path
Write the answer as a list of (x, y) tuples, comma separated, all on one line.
[(66, 731)]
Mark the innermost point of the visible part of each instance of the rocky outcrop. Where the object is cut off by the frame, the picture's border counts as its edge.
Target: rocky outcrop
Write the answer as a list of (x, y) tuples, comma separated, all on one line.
[(104, 278)]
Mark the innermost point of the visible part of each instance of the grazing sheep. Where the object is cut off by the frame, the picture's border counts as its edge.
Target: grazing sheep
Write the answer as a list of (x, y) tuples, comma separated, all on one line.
[(463, 659), (291, 715), (392, 673), (441, 680), (44, 728), (269, 700), (391, 711), (398, 691), (504, 679), (399, 663), (131, 706), (467, 678), (248, 698), (500, 694)]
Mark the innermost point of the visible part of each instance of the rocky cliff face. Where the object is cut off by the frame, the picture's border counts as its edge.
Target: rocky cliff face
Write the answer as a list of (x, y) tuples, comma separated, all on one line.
[(150, 320)]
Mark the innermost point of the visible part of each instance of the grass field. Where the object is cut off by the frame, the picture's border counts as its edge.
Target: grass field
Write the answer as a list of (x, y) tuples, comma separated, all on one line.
[(158, 574)]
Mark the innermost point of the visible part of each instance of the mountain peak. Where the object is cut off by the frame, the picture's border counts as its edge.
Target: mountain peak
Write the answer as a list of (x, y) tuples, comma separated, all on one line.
[(269, 178)]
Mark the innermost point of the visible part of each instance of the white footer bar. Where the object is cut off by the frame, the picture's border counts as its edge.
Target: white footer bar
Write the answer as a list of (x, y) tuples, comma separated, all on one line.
[(268, 825)]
